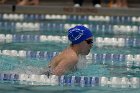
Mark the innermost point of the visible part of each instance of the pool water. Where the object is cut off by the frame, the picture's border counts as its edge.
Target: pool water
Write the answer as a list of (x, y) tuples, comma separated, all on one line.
[(97, 65), (62, 89)]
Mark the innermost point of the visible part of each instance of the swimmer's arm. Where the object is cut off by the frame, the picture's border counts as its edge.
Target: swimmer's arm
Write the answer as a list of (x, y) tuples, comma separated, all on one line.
[(64, 66)]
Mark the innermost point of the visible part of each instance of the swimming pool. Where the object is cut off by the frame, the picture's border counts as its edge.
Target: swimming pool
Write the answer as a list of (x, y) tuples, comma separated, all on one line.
[(29, 41)]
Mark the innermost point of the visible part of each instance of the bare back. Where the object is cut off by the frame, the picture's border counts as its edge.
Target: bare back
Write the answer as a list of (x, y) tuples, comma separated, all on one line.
[(64, 62)]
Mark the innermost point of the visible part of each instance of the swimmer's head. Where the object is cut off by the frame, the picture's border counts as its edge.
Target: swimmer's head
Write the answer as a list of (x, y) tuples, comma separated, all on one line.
[(78, 34)]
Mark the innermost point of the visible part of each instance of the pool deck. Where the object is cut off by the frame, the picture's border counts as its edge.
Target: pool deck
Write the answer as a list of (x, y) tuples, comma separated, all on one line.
[(69, 10)]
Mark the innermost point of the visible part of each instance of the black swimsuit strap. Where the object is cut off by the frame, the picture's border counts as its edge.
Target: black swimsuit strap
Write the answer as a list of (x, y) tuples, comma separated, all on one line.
[(48, 72)]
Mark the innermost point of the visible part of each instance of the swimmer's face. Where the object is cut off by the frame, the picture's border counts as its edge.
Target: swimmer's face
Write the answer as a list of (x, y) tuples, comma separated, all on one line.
[(86, 46)]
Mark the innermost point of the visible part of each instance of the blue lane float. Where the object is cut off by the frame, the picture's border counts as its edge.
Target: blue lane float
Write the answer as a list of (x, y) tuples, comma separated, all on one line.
[(128, 60), (64, 80), (99, 41), (99, 28), (98, 18)]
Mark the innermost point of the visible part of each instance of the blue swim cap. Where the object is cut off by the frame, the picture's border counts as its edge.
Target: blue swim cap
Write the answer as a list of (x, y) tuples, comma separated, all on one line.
[(78, 34)]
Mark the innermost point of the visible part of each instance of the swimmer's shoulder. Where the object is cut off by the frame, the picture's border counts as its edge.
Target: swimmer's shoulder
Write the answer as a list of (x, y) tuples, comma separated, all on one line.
[(66, 56), (72, 58)]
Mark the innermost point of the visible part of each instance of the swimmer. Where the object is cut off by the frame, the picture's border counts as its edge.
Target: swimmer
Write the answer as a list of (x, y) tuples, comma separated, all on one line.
[(81, 40)]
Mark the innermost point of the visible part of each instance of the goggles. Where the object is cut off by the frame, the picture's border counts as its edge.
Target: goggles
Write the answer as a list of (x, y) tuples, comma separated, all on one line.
[(89, 41)]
